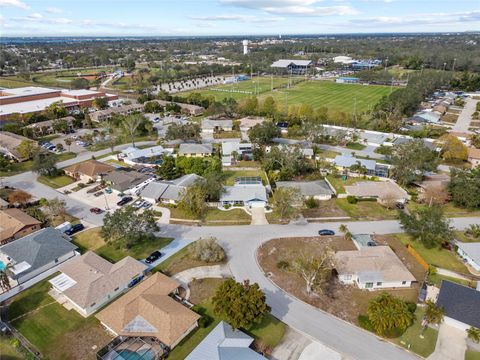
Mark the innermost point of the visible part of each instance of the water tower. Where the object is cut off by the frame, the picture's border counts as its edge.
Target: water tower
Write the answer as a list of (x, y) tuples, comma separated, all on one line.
[(245, 47)]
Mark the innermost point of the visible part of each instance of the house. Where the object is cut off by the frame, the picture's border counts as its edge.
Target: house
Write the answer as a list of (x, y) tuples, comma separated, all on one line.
[(193, 110), (127, 181), (363, 240), (211, 126), (319, 189), (372, 268), (3, 204), (148, 157), (243, 151), (102, 115), (460, 304), (249, 122), (195, 150), (380, 190), (170, 191), (225, 343), (148, 310), (426, 117), (296, 67), (14, 224), (88, 282), (470, 253), (90, 170), (9, 143), (43, 128), (345, 162), (473, 157), (244, 195), (36, 253), (347, 80)]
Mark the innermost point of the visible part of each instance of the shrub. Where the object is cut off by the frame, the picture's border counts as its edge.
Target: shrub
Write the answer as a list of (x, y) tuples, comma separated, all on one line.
[(204, 321), (352, 199), (411, 307), (227, 206), (364, 323), (282, 265), (207, 250), (311, 203)]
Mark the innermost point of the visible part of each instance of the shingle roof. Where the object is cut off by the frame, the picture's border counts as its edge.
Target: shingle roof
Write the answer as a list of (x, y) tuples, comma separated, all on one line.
[(90, 168), (283, 63), (348, 161), (10, 141), (473, 153), (211, 124), (39, 248), (169, 190), (224, 343), (460, 303), (195, 149), (96, 277), (147, 310), (123, 180), (377, 189), (12, 221), (244, 193), (308, 188)]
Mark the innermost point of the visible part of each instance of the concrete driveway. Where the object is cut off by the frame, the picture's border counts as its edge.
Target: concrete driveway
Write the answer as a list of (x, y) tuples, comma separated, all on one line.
[(201, 272), (258, 216), (451, 344), (465, 117)]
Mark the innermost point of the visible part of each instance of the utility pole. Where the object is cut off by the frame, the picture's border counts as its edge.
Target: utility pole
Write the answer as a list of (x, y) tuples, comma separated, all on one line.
[(386, 64), (453, 65)]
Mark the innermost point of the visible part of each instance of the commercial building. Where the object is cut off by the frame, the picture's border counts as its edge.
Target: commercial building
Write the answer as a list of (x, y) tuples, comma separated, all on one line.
[(296, 67), (43, 128), (124, 110), (14, 224), (193, 110)]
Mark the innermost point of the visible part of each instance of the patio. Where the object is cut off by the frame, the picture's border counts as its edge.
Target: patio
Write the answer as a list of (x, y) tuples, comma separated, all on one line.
[(139, 348)]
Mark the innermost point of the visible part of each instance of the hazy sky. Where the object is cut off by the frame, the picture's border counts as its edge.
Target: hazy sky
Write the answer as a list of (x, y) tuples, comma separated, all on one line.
[(233, 17)]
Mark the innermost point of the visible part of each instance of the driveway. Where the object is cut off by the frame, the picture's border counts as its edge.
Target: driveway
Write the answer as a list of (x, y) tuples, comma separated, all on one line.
[(451, 344), (465, 117), (165, 218), (291, 346), (258, 216)]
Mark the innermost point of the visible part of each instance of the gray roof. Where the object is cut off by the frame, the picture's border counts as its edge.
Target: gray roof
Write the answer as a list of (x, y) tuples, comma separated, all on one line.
[(283, 63), (230, 146), (471, 249), (39, 248), (244, 193), (154, 190), (124, 180), (195, 149), (212, 124), (169, 190), (460, 303), (308, 188), (224, 343), (186, 180), (347, 161)]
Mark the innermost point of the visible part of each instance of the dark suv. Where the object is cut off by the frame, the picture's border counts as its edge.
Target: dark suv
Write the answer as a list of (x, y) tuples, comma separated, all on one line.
[(74, 229), (153, 257), (124, 200)]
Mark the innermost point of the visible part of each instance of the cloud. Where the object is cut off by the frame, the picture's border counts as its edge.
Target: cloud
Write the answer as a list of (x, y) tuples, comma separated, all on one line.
[(241, 18), (292, 7), (54, 10), (425, 19), (14, 3)]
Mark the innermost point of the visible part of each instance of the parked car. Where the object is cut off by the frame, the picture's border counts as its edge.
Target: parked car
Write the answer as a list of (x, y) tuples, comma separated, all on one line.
[(74, 229), (400, 205), (154, 256), (96, 210), (326, 232), (138, 204), (125, 200), (98, 194), (147, 205)]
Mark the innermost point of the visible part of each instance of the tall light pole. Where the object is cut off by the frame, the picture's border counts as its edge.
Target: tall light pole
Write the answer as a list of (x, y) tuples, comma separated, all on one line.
[(386, 64), (453, 65)]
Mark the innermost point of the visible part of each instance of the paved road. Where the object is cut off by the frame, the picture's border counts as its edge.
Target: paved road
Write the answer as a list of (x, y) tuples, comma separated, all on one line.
[(465, 117)]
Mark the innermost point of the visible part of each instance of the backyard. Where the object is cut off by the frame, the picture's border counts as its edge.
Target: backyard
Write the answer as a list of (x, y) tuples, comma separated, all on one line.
[(92, 240), (338, 182), (231, 175)]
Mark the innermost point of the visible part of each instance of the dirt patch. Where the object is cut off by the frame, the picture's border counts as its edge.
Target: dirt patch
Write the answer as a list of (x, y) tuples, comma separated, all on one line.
[(343, 301), (324, 209), (203, 289)]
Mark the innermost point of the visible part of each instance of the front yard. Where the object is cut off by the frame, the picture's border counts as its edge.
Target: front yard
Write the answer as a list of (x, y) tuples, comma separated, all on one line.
[(449, 209), (92, 240), (17, 168), (371, 210), (56, 332), (325, 209), (214, 216), (55, 182)]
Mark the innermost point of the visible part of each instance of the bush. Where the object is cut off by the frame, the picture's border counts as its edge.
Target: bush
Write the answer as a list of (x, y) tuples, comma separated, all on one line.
[(227, 206), (204, 321), (311, 203), (352, 199), (282, 265), (207, 250), (364, 323), (411, 307)]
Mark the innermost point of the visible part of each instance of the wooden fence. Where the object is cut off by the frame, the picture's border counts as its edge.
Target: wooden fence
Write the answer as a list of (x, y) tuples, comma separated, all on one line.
[(417, 257)]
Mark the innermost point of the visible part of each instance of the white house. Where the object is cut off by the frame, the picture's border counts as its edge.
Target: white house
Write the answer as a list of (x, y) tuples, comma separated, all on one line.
[(210, 126), (149, 157), (470, 252), (88, 282), (372, 268), (168, 192), (319, 189), (244, 195)]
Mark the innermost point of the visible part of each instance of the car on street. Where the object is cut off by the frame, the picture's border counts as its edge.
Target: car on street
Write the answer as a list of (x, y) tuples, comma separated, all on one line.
[(124, 200), (96, 210), (154, 256), (326, 232), (74, 229)]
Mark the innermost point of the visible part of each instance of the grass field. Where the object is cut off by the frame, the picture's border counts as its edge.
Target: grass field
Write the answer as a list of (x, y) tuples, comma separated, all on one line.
[(472, 355), (55, 182)]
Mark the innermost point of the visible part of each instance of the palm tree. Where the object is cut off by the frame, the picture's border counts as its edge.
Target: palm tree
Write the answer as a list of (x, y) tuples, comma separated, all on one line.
[(387, 313), (131, 124), (433, 313), (344, 229), (473, 334)]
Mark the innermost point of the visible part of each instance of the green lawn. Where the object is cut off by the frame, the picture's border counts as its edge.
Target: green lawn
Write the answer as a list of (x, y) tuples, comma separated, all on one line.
[(449, 210), (92, 240), (366, 209), (8, 350), (436, 279), (355, 146), (461, 236), (327, 154), (270, 332), (230, 175), (17, 168), (423, 347), (14, 82), (56, 181), (472, 355), (436, 257), (338, 183), (214, 216)]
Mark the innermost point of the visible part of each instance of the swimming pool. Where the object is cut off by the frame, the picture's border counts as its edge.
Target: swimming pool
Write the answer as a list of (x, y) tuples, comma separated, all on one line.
[(133, 355), (2, 265)]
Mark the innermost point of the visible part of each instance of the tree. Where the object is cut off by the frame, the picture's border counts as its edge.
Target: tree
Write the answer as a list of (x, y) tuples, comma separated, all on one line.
[(68, 142), (126, 227), (212, 185), (263, 134), (5, 284), (269, 107), (152, 107), (183, 132), (60, 125), (168, 169), (100, 103), (207, 250), (389, 200), (435, 195), (80, 83), (240, 304), (464, 187), (427, 225), (411, 160), (344, 229), (453, 149), (387, 313), (56, 110), (315, 270), (54, 208), (473, 334), (433, 313), (19, 197), (475, 139), (27, 149), (44, 164), (284, 201), (130, 125), (473, 230), (193, 200)]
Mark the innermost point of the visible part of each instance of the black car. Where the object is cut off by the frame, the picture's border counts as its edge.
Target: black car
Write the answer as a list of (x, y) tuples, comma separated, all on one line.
[(124, 200), (74, 229), (153, 257), (400, 205), (326, 232)]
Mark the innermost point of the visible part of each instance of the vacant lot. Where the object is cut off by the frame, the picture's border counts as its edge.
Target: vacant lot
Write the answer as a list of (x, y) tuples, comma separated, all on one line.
[(203, 289), (56, 332), (344, 301), (371, 210), (325, 209)]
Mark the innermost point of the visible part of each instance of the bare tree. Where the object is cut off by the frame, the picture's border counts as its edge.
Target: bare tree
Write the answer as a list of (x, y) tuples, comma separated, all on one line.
[(131, 124), (435, 195), (315, 270), (389, 200)]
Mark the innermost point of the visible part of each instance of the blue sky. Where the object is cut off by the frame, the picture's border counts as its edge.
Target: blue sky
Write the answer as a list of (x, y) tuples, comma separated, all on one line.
[(233, 17)]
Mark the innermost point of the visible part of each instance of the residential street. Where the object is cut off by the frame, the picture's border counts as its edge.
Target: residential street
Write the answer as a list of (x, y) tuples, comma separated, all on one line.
[(463, 121)]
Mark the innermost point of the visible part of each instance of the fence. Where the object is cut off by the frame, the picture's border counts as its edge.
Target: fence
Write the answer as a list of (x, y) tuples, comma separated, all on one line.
[(417, 257)]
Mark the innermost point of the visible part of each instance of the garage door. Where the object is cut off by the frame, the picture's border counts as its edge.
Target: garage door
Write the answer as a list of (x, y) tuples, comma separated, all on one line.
[(257, 204)]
